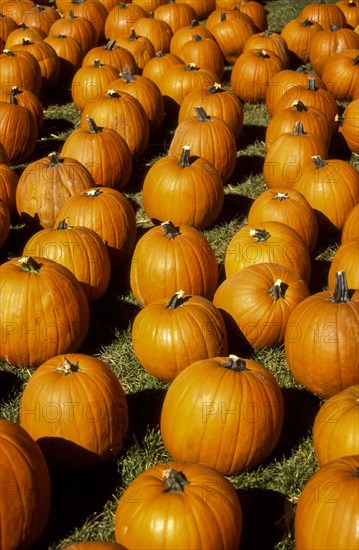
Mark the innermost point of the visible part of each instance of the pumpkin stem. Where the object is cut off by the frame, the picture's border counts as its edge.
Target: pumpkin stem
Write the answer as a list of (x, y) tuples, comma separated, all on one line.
[(54, 159), (176, 300), (262, 53), (92, 126), (29, 264), (110, 45), (194, 23), (67, 367), (281, 196), (356, 60), (267, 33), (278, 290), (191, 67), (170, 230), (174, 481), (159, 54), (333, 27), (13, 100), (197, 37), (306, 23), (223, 16), (300, 107), (311, 84), (112, 93), (63, 225), (128, 77), (97, 63), (341, 290), (260, 235), (184, 161), (92, 193), (235, 363), (302, 68), (319, 161), (133, 35), (201, 114), (216, 87), (299, 129), (71, 15)]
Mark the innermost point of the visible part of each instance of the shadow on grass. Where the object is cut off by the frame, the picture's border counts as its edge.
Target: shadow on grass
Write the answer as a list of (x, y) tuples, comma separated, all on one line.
[(275, 518), (145, 410), (250, 134), (10, 384)]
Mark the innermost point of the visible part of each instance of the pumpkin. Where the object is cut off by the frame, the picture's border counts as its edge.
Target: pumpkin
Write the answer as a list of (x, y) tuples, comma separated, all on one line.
[(140, 47), (27, 99), (8, 183), (327, 324), (256, 303), (47, 59), (148, 94), (298, 34), (324, 13), (208, 137), (110, 214), (314, 120), (231, 30), (158, 32), (269, 41), (149, 5), (121, 18), (252, 72), (349, 125), (20, 142), (334, 178), (350, 8), (51, 314), (91, 82), (79, 249), (346, 258), (103, 151), (112, 54), (157, 66), (202, 9), (340, 74), (167, 258), (256, 11), (26, 490), (215, 403), (204, 53), (329, 42), (287, 206), (74, 406), (268, 241), (24, 31), (77, 27), (335, 432), (191, 191), (172, 503), (184, 34), (289, 155), (92, 10), (4, 222), (175, 14), (45, 185), (351, 225), (7, 25), (41, 17), (124, 113), (17, 9), (169, 335), (330, 498)]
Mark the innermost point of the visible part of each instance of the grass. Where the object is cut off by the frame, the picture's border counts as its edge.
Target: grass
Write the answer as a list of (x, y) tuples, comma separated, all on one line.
[(84, 503)]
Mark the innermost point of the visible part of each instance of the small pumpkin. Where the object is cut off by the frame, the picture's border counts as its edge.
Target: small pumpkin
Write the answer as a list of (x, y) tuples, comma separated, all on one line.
[(169, 335), (335, 432), (215, 403)]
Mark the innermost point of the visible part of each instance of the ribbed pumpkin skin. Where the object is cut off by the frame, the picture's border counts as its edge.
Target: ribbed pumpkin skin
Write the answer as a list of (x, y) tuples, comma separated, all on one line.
[(324, 13), (299, 33), (283, 246), (81, 415), (328, 43), (340, 74), (321, 343), (167, 339), (289, 207), (79, 249), (8, 183), (350, 230), (20, 69), (327, 510), (191, 194), (335, 429), (18, 131), (161, 265), (176, 520), (26, 492), (349, 126), (346, 258), (228, 419), (51, 314), (109, 213), (249, 299)]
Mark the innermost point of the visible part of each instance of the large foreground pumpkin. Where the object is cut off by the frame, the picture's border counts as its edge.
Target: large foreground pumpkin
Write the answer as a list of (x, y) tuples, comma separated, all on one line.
[(25, 488), (226, 412), (179, 506), (43, 311), (75, 408)]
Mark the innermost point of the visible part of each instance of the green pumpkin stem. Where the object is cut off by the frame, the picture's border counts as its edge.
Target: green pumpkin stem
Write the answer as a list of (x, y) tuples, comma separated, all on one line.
[(66, 367), (281, 196), (184, 160), (267, 33), (341, 290), (260, 235), (278, 290), (170, 230), (176, 300), (29, 264), (201, 114), (319, 161), (235, 363), (174, 481)]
